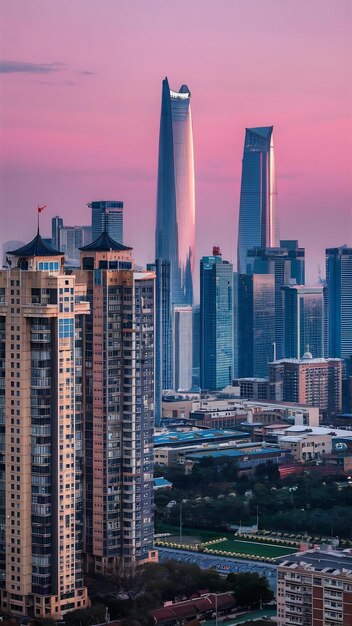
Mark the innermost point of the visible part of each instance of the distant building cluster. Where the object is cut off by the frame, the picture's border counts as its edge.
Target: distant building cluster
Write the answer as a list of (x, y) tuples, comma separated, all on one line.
[(94, 352)]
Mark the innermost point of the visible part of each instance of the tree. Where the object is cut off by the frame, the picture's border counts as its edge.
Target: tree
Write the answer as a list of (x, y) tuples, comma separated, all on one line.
[(250, 589)]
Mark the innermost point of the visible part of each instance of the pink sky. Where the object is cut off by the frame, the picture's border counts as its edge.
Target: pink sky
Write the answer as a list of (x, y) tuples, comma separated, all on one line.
[(82, 122)]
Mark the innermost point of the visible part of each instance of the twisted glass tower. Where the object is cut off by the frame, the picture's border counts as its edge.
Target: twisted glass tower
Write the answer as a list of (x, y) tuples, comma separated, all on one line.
[(258, 223), (175, 220)]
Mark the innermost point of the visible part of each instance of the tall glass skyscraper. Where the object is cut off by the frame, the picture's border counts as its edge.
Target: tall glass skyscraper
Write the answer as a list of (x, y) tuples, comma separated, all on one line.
[(107, 215), (287, 264), (175, 220), (304, 321), (256, 323), (216, 322), (258, 223), (339, 301)]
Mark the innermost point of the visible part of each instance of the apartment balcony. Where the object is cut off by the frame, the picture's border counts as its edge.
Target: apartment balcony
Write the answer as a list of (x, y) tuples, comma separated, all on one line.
[(82, 308), (40, 310)]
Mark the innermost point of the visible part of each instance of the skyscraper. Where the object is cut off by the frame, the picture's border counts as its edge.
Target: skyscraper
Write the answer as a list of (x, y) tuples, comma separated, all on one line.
[(56, 223), (287, 264), (107, 215), (338, 301), (256, 323), (42, 322), (183, 348), (70, 239), (216, 322), (175, 220), (304, 321), (119, 406), (258, 221)]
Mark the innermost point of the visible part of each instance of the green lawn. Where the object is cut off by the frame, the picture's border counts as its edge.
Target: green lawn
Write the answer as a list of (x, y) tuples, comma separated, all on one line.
[(253, 548)]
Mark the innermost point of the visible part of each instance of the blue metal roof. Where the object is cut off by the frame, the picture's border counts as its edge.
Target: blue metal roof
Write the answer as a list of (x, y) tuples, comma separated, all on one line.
[(236, 453), (174, 437), (161, 482)]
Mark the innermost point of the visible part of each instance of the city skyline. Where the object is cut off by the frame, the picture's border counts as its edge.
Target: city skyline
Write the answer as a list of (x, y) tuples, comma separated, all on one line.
[(64, 144)]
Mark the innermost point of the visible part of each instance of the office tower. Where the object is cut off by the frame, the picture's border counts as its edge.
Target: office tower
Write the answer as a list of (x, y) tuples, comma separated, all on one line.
[(216, 322), (119, 407), (258, 220), (316, 382), (304, 321), (175, 220), (10, 245), (338, 302), (287, 264), (183, 348), (42, 321), (196, 345), (256, 324), (235, 324), (71, 238), (314, 588), (56, 223), (163, 332), (107, 215)]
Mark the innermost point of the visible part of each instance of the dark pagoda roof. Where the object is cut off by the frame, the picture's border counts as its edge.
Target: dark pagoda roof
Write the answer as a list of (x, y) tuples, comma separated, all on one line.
[(104, 243), (36, 247)]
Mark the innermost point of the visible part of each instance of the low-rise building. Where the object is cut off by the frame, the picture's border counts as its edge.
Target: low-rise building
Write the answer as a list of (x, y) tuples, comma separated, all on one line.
[(308, 444)]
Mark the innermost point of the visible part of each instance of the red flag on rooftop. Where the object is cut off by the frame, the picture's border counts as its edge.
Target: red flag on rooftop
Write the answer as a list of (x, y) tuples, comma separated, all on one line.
[(41, 208)]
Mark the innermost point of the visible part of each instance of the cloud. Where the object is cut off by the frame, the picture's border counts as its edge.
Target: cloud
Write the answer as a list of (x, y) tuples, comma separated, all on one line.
[(86, 73), (24, 67)]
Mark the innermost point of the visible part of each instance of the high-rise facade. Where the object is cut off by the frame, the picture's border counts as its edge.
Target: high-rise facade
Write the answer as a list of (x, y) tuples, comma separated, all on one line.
[(258, 221), (304, 321), (256, 323), (70, 239), (287, 264), (42, 324), (56, 223), (175, 220), (339, 302), (107, 215), (316, 382), (119, 407), (163, 332), (183, 348), (216, 322)]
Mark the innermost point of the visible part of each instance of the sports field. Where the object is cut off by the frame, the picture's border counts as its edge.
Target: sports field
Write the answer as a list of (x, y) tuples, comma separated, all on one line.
[(253, 548)]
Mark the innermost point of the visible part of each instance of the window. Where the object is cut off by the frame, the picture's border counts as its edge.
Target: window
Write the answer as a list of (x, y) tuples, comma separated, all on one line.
[(66, 327), (51, 266)]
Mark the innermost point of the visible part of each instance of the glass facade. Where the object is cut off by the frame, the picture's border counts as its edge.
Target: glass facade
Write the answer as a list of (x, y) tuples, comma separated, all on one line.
[(258, 222), (183, 348), (107, 215), (256, 324), (338, 302), (216, 323), (175, 222), (304, 321), (287, 264)]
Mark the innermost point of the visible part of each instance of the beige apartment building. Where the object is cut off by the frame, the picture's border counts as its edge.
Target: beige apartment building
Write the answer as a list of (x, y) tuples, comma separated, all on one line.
[(314, 588), (42, 313), (76, 423)]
